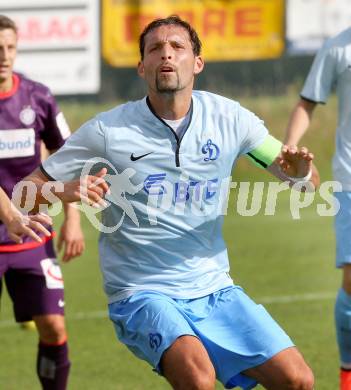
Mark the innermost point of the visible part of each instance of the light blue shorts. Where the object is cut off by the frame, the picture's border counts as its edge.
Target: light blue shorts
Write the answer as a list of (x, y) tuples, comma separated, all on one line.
[(237, 333), (343, 229)]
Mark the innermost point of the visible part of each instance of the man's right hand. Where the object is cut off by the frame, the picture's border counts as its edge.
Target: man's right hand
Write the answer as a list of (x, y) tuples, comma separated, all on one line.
[(88, 189)]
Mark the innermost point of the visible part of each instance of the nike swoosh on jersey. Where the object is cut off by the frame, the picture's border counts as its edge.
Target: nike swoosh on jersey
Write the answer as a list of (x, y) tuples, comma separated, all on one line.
[(135, 158)]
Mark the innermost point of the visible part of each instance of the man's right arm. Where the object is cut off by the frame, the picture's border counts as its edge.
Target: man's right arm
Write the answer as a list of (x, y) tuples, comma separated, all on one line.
[(299, 121), (88, 189), (318, 85)]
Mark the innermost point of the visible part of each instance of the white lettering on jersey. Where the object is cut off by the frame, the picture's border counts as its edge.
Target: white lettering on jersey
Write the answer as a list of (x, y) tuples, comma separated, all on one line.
[(17, 143), (62, 125), (52, 273)]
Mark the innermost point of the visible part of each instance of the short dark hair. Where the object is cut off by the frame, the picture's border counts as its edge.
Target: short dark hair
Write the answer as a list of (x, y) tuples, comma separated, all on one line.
[(171, 20), (6, 23)]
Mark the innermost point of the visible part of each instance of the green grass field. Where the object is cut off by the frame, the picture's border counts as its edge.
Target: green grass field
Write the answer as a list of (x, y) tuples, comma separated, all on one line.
[(286, 264)]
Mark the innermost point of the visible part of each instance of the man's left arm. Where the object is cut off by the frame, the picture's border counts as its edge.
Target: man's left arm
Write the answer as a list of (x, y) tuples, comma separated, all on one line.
[(71, 237), (56, 132), (287, 163)]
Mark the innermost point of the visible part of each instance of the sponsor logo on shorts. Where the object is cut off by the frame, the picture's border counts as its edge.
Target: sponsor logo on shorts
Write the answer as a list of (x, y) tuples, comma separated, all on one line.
[(155, 340), (61, 303), (52, 273), (17, 143)]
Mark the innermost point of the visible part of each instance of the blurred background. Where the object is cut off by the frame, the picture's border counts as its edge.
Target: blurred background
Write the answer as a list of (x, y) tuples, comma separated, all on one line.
[(89, 47)]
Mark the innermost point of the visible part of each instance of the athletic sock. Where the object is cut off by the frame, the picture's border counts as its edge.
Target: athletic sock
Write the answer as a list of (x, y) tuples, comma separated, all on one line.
[(53, 366), (343, 327)]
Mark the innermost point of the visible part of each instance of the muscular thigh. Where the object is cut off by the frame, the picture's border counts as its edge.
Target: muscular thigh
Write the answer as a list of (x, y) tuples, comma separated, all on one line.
[(34, 282), (343, 229), (187, 361), (280, 370)]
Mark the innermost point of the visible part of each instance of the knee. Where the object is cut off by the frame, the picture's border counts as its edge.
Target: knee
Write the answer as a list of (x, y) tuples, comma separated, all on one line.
[(204, 381), (187, 366), (301, 380), (346, 280), (51, 329), (195, 377), (199, 380), (346, 285)]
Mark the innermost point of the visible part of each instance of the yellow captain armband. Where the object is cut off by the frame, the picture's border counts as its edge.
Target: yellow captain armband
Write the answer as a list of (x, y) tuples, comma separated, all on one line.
[(265, 154)]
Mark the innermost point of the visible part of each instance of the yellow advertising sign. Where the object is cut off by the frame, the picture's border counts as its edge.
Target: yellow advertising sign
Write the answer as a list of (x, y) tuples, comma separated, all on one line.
[(229, 30)]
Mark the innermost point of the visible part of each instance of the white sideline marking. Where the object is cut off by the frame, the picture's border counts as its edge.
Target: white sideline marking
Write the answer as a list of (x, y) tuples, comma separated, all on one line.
[(297, 298), (94, 315)]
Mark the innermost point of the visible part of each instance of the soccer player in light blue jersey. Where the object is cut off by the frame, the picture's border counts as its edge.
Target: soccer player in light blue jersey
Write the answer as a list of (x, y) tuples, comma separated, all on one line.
[(332, 69), (166, 267)]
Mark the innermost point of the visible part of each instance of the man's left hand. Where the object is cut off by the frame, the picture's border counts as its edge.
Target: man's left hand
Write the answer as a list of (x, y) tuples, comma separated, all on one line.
[(295, 162), (71, 239)]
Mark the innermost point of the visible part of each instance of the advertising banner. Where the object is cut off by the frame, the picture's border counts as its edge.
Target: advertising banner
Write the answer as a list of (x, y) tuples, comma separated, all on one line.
[(310, 22), (58, 43), (229, 30)]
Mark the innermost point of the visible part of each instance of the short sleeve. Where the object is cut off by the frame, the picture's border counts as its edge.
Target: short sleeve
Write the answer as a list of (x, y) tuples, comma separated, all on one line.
[(55, 127), (252, 129), (321, 78), (86, 144)]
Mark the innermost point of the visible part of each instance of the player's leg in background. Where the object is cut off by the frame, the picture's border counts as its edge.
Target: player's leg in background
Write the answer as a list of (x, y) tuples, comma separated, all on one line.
[(27, 325), (343, 327), (35, 285), (343, 299), (52, 362), (3, 267), (186, 365), (286, 370), (31, 296)]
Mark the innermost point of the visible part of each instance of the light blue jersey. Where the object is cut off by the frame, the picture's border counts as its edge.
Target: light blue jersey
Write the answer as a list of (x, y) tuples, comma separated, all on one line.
[(332, 68), (179, 252)]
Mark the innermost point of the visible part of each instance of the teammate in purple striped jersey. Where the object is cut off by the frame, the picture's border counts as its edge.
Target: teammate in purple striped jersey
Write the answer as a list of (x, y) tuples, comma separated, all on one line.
[(29, 116)]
